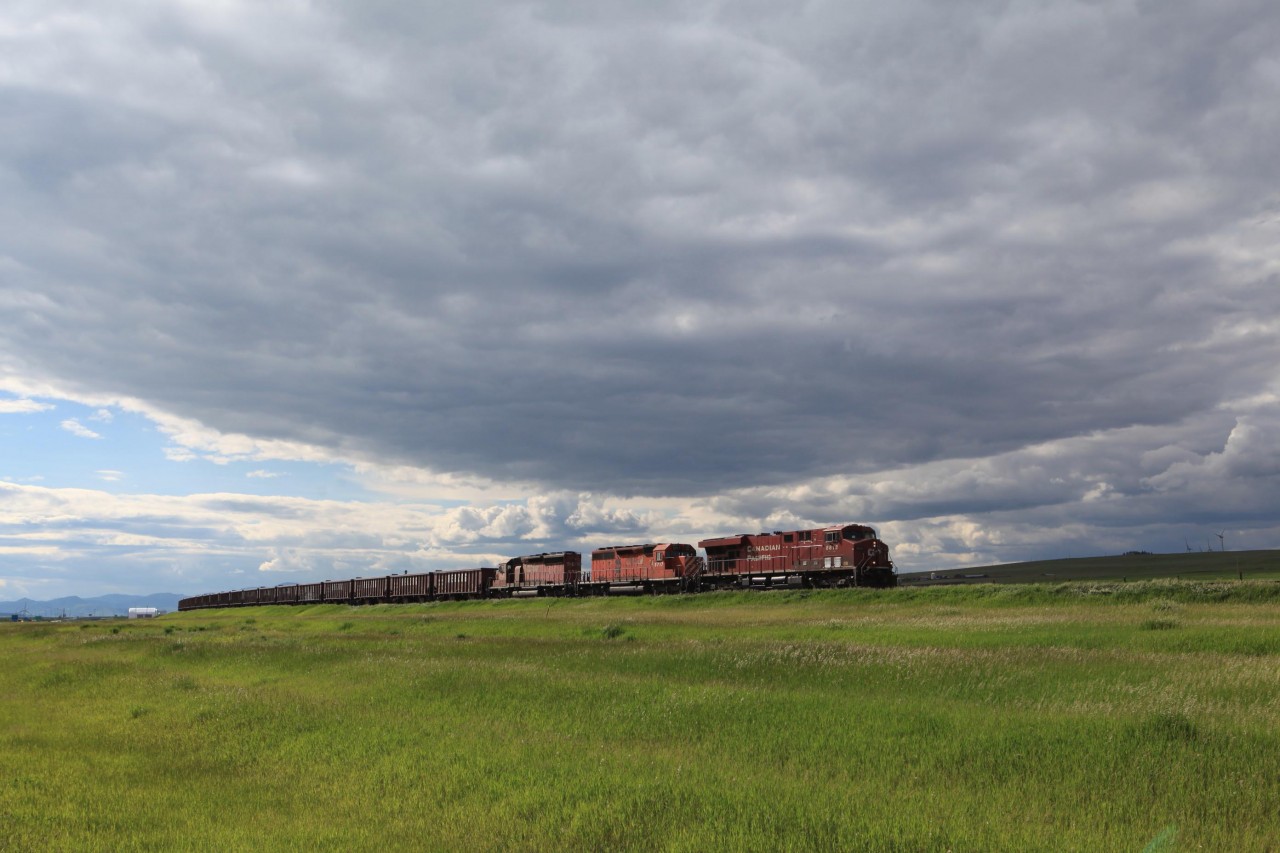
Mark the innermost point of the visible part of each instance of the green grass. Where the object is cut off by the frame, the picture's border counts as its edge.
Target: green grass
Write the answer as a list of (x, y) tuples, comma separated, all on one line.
[(1064, 717), (1194, 565)]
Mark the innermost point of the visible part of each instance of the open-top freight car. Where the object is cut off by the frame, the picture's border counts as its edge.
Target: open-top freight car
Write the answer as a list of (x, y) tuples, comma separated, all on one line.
[(424, 586), (463, 583), (368, 590), (841, 555)]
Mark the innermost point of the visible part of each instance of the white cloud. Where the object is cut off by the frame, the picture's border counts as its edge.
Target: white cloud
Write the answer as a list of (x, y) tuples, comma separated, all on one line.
[(111, 476), (191, 439), (207, 534), (30, 550), (74, 427), (263, 475), (994, 281), (23, 407)]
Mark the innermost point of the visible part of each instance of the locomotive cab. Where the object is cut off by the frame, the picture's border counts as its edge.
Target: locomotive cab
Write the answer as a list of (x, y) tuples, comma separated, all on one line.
[(857, 532), (869, 555), (673, 561)]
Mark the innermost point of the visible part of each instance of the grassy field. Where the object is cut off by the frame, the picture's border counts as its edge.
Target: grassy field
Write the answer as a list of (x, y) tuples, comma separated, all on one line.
[(1194, 565), (1070, 717)]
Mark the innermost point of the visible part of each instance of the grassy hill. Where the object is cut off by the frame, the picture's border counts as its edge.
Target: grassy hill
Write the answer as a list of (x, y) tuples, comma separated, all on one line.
[(1051, 717), (104, 605), (1196, 565)]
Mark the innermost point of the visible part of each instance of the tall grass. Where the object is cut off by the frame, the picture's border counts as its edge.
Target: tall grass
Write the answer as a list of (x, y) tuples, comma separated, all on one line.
[(942, 718)]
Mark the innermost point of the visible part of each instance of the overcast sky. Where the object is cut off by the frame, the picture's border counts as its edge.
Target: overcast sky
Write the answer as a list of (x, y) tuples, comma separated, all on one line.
[(300, 290)]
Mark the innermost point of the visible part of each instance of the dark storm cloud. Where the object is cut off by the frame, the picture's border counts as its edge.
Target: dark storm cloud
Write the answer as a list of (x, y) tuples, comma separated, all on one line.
[(649, 251)]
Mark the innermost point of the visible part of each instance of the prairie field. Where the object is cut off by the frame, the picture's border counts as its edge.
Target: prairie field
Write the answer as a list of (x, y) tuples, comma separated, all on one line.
[(1193, 565), (1138, 716)]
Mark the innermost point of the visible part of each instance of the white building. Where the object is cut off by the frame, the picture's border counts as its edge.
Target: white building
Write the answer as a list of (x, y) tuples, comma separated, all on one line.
[(143, 612)]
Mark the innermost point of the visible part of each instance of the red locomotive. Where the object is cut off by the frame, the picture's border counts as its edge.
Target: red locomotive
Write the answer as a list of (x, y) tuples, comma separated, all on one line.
[(842, 555), (631, 563), (561, 568)]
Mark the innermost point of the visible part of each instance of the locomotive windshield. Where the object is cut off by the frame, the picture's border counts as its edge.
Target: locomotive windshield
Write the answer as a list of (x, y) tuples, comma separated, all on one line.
[(855, 533)]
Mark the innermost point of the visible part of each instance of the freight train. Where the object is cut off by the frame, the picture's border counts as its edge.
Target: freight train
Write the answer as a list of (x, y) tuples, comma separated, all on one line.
[(840, 555)]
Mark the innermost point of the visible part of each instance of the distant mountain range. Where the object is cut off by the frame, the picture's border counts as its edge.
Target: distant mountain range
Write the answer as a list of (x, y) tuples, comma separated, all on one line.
[(103, 605)]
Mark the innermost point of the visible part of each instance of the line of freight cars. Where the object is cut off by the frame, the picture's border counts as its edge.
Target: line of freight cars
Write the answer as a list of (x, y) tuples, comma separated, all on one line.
[(840, 555)]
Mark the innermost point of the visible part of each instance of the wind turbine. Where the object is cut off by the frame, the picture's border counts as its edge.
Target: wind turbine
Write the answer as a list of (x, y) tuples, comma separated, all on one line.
[(1222, 542)]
